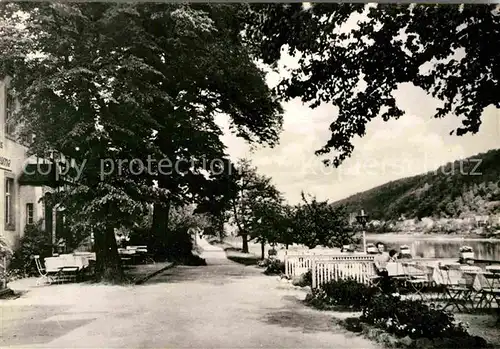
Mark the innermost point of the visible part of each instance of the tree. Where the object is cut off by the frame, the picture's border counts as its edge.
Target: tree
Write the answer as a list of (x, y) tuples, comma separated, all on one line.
[(318, 223), (286, 233), (99, 82), (268, 222), (254, 192), (218, 200), (442, 48)]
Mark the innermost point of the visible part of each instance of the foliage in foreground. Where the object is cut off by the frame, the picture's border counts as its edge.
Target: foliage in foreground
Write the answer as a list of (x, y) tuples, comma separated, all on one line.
[(275, 267), (410, 318), (303, 280), (34, 242), (390, 313), (342, 293)]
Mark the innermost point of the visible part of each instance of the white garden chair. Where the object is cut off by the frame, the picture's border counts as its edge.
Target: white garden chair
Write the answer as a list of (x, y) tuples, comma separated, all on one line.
[(44, 277)]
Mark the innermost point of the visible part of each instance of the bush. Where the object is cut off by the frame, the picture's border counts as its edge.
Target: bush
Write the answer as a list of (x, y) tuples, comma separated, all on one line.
[(346, 293), (410, 318), (304, 279), (34, 242), (264, 263), (275, 267)]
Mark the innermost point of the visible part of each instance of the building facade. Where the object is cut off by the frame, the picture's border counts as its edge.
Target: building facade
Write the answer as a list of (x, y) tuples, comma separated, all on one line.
[(19, 204)]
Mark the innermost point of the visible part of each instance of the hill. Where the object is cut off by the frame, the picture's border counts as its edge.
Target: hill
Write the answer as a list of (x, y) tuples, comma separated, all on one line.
[(465, 188)]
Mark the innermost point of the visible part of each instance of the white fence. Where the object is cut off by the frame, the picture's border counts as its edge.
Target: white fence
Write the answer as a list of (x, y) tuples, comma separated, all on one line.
[(299, 263), (324, 271)]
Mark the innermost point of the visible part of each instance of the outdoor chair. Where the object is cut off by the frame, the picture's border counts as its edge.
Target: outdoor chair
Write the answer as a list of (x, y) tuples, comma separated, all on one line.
[(457, 293), (44, 277), (490, 290), (417, 282)]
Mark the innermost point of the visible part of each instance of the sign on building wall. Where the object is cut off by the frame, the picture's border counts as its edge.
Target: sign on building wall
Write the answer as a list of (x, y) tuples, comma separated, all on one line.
[(5, 163)]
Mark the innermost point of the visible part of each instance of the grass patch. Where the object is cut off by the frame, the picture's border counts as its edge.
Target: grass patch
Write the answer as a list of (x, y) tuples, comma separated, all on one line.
[(235, 255)]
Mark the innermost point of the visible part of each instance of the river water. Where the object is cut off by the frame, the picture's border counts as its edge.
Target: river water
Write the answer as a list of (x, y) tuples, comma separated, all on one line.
[(441, 247), (423, 247)]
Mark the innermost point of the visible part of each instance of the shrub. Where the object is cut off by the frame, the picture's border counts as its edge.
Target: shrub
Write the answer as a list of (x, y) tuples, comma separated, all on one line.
[(410, 318), (304, 280), (308, 278), (34, 242), (265, 262), (347, 293), (275, 267)]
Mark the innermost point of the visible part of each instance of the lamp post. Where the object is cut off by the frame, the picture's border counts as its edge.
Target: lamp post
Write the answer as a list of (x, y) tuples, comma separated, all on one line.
[(362, 220)]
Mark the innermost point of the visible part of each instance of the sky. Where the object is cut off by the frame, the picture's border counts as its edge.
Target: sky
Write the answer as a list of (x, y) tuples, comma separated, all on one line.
[(414, 144)]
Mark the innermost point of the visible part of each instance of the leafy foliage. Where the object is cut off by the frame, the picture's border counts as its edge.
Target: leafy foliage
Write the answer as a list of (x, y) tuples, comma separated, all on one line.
[(275, 267), (344, 293), (34, 242), (441, 48), (319, 223), (99, 82), (410, 318), (255, 209), (304, 280), (5, 250)]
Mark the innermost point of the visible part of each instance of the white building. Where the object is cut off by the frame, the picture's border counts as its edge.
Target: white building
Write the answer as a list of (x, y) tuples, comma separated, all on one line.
[(19, 202)]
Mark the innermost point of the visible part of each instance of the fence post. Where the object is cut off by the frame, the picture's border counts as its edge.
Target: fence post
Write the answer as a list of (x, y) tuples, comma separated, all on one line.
[(287, 269), (313, 275)]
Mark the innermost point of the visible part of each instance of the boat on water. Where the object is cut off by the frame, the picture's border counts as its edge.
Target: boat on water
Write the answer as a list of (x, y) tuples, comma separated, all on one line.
[(347, 249), (404, 251), (466, 252), (371, 249)]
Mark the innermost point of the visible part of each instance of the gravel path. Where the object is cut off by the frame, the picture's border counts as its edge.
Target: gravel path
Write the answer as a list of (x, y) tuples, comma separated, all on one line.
[(222, 305)]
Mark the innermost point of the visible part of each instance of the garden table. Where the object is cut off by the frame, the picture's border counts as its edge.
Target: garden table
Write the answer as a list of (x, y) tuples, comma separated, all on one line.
[(54, 264), (493, 268), (65, 267), (399, 269)]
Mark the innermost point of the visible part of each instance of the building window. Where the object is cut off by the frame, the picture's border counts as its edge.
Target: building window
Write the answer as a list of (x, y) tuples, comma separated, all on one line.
[(9, 202), (9, 115), (29, 214)]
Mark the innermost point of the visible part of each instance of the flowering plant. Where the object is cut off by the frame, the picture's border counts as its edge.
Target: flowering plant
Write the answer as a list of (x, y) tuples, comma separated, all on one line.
[(410, 318)]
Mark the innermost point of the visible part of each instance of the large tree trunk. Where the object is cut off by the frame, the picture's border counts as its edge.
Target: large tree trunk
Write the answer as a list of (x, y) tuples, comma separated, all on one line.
[(221, 229), (158, 241), (244, 237), (108, 266), (263, 249)]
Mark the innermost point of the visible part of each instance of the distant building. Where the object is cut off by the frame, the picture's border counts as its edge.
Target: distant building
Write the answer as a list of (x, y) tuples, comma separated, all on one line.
[(481, 220)]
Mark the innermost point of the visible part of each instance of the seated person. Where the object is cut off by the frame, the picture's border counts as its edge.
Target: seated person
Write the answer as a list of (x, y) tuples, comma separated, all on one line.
[(393, 255), (381, 260)]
